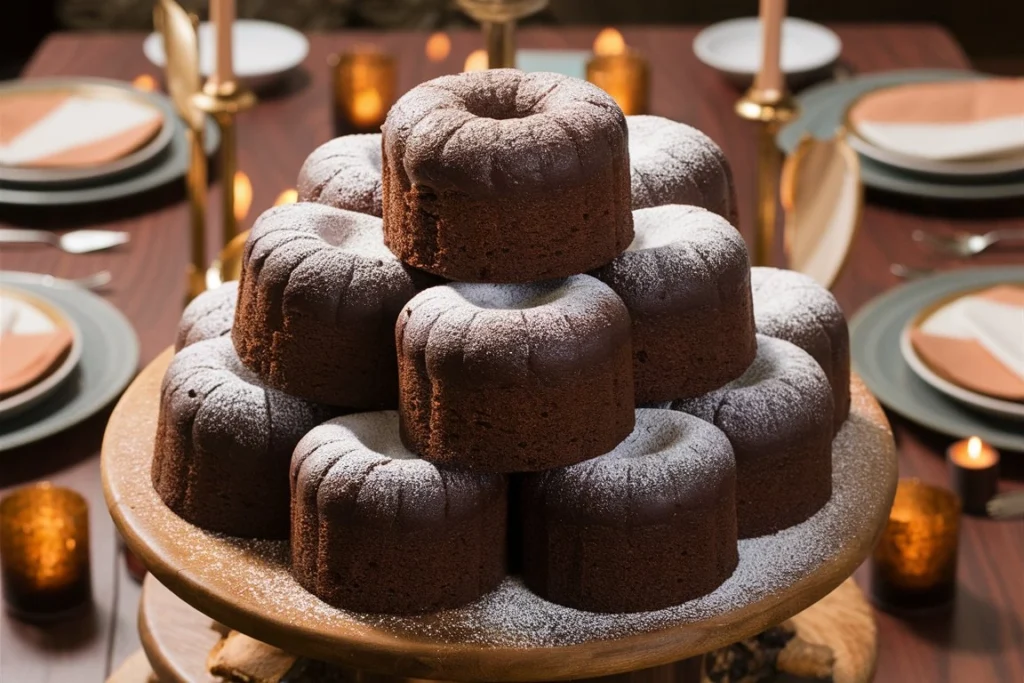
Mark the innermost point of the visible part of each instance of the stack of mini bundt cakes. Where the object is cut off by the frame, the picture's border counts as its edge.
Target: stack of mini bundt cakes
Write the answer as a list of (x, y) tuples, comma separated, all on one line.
[(434, 361)]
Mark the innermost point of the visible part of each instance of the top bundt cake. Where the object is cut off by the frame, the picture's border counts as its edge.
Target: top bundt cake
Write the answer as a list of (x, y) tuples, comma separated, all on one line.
[(503, 176), (673, 163), (344, 173)]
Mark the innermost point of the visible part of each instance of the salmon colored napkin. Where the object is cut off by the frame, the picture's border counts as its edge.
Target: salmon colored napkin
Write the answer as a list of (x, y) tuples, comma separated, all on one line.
[(966, 360), (26, 359), (62, 130), (954, 120)]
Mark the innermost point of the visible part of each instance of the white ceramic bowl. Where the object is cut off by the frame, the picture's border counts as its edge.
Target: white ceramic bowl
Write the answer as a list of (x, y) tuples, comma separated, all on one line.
[(263, 51), (733, 48)]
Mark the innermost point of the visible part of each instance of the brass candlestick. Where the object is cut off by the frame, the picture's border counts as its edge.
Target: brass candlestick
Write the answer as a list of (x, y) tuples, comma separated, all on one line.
[(498, 19), (224, 99), (768, 103)]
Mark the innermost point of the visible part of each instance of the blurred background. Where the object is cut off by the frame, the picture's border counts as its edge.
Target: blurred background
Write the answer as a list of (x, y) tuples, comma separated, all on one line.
[(989, 30)]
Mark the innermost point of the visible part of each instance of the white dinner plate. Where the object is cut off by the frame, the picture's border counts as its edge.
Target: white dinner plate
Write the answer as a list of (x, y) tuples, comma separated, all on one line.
[(1013, 410), (37, 314), (262, 50), (733, 47), (966, 168)]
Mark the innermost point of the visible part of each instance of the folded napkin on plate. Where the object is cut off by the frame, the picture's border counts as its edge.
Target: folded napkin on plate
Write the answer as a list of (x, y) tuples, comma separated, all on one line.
[(28, 358), (48, 130), (956, 120), (977, 342)]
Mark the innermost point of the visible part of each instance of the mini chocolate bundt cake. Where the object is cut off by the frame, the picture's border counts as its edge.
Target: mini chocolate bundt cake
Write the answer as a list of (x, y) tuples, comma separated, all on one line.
[(504, 176), (686, 282), (344, 173), (512, 378), (377, 529), (649, 525), (792, 306), (224, 443), (317, 305), (208, 316), (673, 163), (778, 417)]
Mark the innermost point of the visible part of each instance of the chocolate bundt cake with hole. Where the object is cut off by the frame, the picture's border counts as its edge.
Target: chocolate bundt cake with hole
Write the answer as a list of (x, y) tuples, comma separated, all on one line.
[(792, 306), (507, 378), (317, 305), (664, 500), (673, 163), (344, 173), (224, 443), (377, 529), (208, 316), (504, 176), (778, 417), (686, 282)]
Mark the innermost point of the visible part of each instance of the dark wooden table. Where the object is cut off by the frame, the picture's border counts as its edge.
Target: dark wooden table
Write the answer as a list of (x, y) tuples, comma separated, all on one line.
[(981, 640)]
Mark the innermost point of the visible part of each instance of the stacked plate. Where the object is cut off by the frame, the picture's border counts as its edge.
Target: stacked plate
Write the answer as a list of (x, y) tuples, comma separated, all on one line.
[(66, 354), (929, 133), (81, 140), (948, 352)]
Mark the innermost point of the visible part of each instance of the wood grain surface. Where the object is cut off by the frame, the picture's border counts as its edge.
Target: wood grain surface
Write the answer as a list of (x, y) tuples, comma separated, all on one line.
[(981, 640)]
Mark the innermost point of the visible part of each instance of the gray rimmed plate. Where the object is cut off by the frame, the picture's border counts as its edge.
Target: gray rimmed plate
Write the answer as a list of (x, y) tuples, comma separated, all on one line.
[(823, 110), (93, 88), (875, 334), (110, 357), (166, 167)]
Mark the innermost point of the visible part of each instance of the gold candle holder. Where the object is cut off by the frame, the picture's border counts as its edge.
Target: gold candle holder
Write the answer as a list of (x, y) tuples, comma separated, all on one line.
[(913, 567), (363, 89), (624, 76), (44, 551)]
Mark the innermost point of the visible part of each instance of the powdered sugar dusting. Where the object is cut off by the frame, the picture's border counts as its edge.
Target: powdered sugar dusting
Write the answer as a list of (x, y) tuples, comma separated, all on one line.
[(345, 173), (208, 316), (375, 431), (673, 163), (256, 573)]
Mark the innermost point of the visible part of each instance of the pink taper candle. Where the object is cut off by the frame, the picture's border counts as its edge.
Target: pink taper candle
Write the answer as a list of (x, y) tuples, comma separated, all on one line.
[(770, 75), (222, 15)]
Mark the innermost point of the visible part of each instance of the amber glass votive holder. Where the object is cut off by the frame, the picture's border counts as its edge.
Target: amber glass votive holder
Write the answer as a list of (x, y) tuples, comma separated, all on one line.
[(913, 568), (44, 552), (624, 76), (363, 89)]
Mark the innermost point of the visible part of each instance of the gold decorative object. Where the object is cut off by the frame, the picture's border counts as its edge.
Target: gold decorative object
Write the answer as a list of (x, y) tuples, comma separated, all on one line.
[(498, 19), (364, 85), (768, 103), (823, 199), (44, 551), (624, 76), (183, 82), (914, 564)]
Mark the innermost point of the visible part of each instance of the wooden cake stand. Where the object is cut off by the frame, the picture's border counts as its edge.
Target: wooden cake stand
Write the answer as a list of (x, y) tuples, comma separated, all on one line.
[(510, 634)]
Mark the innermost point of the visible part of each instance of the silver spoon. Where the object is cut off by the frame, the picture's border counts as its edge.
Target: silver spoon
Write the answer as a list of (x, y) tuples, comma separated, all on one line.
[(967, 244), (75, 242)]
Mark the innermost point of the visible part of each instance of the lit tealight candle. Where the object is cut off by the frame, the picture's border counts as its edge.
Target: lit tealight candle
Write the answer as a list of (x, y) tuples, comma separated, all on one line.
[(624, 76), (974, 473), (44, 551), (364, 90)]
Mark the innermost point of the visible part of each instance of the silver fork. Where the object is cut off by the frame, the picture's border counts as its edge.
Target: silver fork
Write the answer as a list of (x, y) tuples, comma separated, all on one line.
[(964, 243), (75, 242)]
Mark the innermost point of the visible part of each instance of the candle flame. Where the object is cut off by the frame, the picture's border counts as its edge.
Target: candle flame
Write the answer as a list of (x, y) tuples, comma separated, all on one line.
[(289, 196), (242, 187), (476, 61), (439, 45), (974, 448), (144, 82), (609, 42), (367, 107)]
